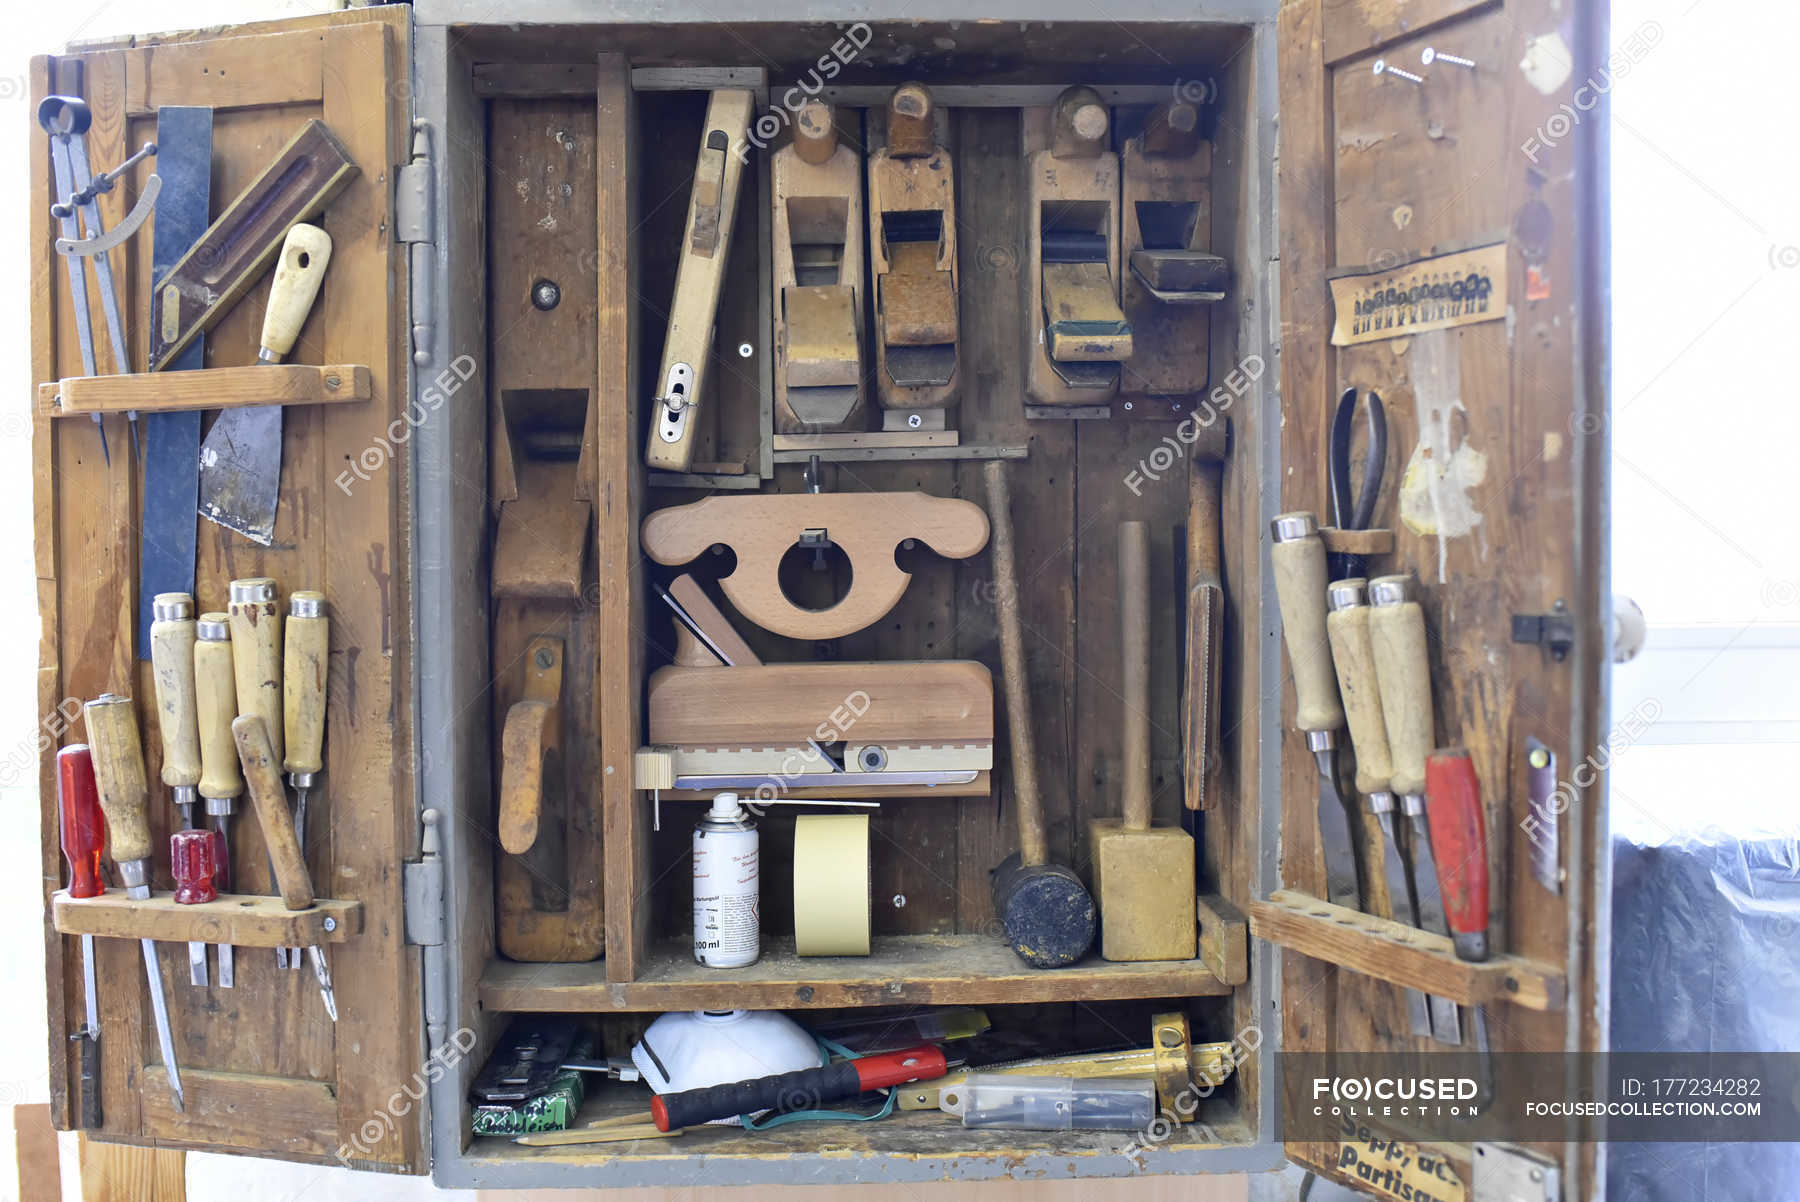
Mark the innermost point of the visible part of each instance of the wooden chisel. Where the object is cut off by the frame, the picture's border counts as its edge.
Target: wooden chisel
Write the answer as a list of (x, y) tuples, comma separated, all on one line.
[(1298, 557), (1353, 655), (125, 798), (215, 702), (172, 641), (305, 656), (1403, 674), (256, 665)]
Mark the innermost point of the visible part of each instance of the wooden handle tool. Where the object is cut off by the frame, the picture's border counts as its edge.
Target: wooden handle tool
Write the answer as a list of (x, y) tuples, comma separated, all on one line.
[(262, 774), (124, 793), (1134, 640), (125, 799), (1047, 912), (256, 653), (1205, 619), (172, 638), (305, 661), (298, 274)]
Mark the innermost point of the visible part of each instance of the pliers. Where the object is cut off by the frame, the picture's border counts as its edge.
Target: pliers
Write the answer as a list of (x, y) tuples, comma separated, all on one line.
[(1348, 513)]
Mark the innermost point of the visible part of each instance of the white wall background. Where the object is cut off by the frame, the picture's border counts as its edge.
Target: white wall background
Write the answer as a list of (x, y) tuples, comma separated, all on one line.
[(1706, 428)]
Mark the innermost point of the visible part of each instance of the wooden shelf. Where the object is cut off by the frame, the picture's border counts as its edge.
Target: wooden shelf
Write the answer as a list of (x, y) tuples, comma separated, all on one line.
[(1391, 951), (876, 454), (902, 970), (214, 388), (241, 920)]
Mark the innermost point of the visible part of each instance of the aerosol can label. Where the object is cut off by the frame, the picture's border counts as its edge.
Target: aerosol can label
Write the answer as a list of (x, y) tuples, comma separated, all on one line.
[(727, 881)]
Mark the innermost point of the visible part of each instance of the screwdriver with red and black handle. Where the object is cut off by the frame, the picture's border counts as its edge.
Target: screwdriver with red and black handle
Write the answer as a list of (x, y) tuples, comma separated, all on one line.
[(83, 829), (800, 1090), (1459, 845)]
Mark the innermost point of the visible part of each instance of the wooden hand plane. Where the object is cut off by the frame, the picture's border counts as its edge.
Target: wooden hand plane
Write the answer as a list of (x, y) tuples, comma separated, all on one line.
[(722, 719), (1076, 335), (818, 278), (912, 248), (1170, 277), (712, 213)]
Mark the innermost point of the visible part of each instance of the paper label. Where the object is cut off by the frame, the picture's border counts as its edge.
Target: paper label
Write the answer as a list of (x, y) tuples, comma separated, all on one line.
[(1391, 1168), (1439, 293)]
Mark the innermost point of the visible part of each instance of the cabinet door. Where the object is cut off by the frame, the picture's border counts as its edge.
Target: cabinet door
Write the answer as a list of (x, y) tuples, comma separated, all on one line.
[(264, 1069), (1495, 482)]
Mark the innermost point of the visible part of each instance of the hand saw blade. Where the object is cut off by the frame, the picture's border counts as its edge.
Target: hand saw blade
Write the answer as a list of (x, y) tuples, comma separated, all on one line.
[(240, 471)]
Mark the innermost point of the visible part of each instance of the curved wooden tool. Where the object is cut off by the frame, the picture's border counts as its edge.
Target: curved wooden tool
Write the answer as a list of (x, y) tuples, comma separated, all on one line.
[(867, 527), (531, 736)]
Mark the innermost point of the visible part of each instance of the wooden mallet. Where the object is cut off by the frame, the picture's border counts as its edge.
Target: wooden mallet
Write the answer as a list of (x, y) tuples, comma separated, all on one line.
[(1047, 913), (1143, 874)]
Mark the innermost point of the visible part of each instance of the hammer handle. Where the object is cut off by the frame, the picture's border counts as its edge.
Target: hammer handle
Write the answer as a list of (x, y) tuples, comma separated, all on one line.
[(1134, 633), (1034, 845)]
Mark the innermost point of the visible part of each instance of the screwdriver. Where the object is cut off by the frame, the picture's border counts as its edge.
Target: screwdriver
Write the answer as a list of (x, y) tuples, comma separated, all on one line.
[(1298, 557), (264, 778), (1403, 674), (172, 641), (1352, 654), (83, 829), (194, 862), (215, 703), (303, 668), (118, 758), (256, 661), (1459, 842)]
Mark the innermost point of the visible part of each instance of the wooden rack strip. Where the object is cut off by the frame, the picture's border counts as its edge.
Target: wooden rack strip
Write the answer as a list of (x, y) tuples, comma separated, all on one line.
[(1391, 951), (241, 920), (215, 388)]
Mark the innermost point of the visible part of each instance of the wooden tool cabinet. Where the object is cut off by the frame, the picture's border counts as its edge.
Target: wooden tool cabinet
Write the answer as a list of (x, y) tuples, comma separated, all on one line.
[(557, 145)]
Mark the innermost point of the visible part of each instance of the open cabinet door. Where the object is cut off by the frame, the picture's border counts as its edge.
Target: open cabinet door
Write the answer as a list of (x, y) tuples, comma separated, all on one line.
[(1393, 158), (265, 1070)]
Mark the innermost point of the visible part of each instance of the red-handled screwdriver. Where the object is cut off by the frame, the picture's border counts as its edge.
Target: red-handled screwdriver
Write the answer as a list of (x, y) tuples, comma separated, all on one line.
[(83, 828), (1459, 845), (194, 858)]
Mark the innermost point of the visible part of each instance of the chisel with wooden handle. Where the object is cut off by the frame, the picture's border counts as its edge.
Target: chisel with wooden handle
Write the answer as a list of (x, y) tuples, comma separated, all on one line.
[(125, 798), (215, 704), (1403, 673), (256, 665), (1353, 655), (262, 773), (303, 667), (1298, 557)]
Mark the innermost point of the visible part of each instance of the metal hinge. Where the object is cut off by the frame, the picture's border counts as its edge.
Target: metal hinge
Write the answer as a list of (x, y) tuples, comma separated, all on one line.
[(415, 223), (422, 888), (1555, 630)]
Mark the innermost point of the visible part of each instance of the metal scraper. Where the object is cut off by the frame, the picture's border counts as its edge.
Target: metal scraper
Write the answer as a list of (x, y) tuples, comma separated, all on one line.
[(240, 461)]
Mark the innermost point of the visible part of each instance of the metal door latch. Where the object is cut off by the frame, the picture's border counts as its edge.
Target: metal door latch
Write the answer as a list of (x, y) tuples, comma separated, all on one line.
[(1555, 630), (1504, 1173)]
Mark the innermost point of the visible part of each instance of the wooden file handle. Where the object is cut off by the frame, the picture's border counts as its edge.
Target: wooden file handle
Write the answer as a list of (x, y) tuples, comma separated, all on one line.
[(172, 665), (305, 661), (262, 772), (1397, 634), (215, 705), (119, 775), (1299, 563), (1134, 633), (1034, 844), (256, 653), (1354, 657)]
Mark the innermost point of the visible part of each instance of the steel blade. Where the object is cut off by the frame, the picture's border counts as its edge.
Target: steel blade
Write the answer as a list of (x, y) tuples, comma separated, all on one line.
[(165, 1037), (1446, 1022), (1401, 906), (240, 471), (1341, 888)]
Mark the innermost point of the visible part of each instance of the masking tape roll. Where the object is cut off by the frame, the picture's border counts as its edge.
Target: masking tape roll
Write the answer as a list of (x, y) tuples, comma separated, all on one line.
[(831, 884)]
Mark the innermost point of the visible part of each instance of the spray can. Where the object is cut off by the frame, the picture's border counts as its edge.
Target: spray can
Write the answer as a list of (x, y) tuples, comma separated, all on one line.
[(727, 883)]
